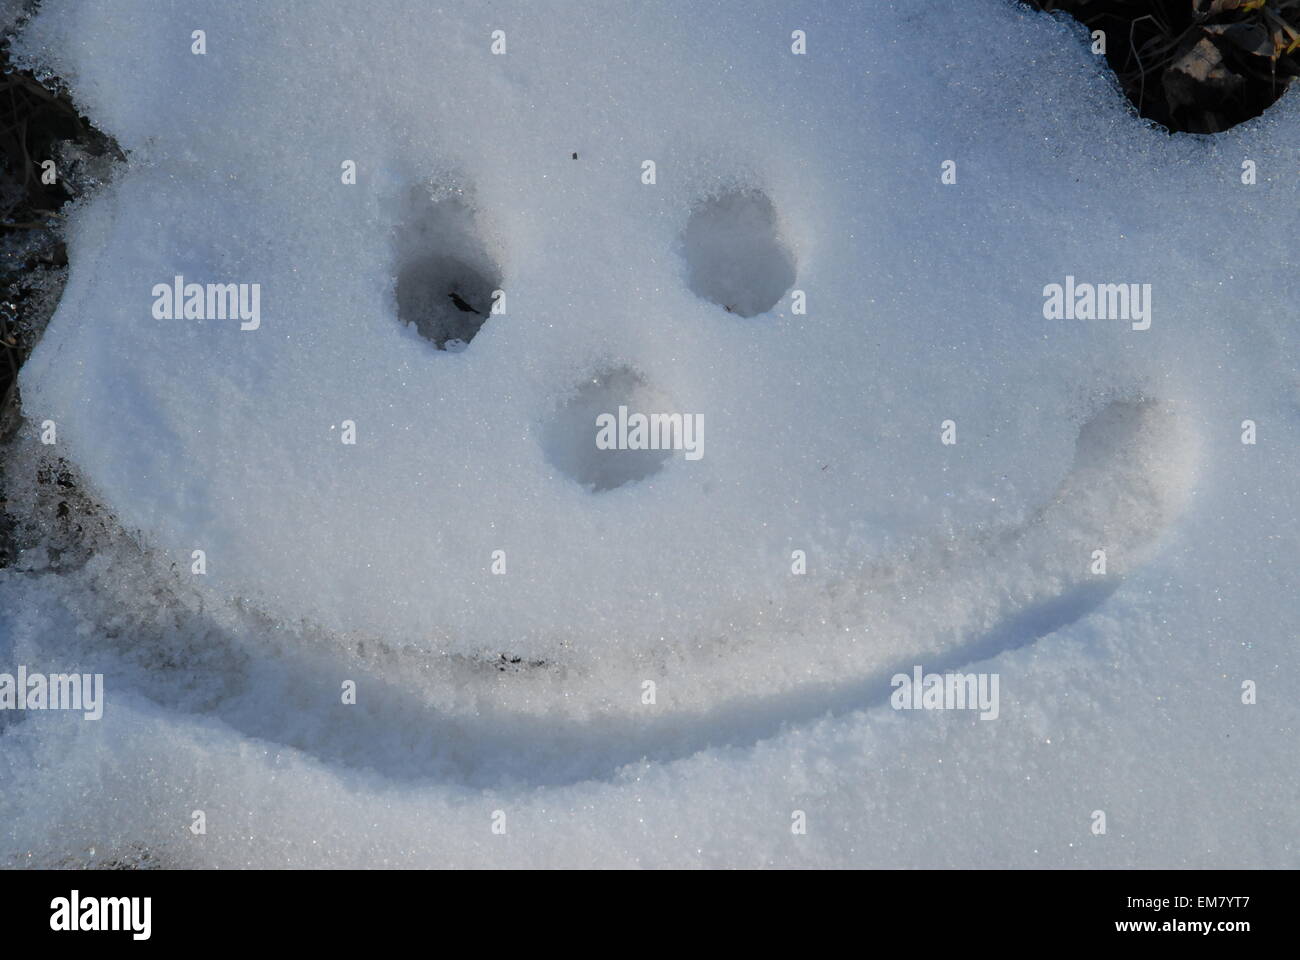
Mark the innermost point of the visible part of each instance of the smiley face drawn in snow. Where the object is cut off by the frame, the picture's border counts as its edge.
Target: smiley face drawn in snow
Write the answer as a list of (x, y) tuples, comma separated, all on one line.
[(479, 298)]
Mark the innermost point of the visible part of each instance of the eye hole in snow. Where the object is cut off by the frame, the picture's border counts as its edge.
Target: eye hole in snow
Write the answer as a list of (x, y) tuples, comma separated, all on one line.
[(569, 440), (446, 277), (735, 255)]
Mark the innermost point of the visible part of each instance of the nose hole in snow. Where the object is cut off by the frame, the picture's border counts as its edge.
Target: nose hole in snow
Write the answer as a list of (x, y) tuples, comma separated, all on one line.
[(735, 255), (446, 280), (570, 438)]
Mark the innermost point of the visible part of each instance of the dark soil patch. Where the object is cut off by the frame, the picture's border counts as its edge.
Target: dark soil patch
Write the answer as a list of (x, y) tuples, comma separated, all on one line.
[(38, 125), (1198, 66)]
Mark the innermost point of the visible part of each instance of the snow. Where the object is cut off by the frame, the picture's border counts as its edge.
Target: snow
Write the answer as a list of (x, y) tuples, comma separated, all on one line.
[(774, 173), (11, 12)]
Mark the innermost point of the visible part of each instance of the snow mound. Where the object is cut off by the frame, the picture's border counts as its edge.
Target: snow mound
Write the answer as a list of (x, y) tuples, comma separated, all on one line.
[(907, 459)]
